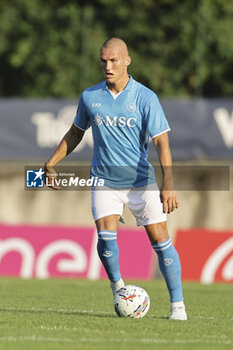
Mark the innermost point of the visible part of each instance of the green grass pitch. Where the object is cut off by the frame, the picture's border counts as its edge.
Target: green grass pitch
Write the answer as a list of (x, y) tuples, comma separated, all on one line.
[(78, 314)]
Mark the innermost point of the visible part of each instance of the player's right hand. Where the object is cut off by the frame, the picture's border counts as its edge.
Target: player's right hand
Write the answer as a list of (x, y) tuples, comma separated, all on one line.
[(50, 177)]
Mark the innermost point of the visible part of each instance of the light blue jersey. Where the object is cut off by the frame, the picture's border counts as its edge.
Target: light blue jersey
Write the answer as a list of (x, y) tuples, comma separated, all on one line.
[(121, 128)]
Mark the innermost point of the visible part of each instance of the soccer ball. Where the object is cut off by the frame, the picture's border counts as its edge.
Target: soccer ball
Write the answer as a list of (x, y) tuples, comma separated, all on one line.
[(131, 301)]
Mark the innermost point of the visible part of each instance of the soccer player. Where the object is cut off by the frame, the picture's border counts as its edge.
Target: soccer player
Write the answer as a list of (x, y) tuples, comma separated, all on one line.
[(123, 115)]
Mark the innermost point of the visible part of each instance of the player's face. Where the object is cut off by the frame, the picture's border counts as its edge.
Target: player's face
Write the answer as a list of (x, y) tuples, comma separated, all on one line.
[(114, 62)]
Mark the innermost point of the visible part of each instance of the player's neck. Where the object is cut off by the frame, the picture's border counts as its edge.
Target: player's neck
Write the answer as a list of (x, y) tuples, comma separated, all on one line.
[(119, 86)]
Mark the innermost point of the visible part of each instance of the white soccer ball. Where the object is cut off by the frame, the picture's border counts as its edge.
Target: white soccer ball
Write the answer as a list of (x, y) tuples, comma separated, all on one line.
[(131, 301)]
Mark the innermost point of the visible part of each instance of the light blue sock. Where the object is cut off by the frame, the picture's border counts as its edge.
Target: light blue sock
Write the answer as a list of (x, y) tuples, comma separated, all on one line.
[(109, 253), (170, 267)]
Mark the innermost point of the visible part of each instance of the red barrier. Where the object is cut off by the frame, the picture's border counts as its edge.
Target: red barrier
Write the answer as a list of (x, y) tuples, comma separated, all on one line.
[(48, 251), (206, 255)]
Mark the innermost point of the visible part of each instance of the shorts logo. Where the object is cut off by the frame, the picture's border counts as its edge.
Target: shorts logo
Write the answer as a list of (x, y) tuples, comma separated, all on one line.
[(108, 253), (131, 107), (167, 261), (35, 178)]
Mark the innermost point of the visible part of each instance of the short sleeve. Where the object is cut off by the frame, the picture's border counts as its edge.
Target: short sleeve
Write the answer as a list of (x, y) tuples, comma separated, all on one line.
[(156, 122), (82, 119)]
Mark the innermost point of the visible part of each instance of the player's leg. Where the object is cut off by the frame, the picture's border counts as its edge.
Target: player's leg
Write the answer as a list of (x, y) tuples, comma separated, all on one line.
[(146, 206), (168, 258), (103, 203), (170, 267), (108, 249)]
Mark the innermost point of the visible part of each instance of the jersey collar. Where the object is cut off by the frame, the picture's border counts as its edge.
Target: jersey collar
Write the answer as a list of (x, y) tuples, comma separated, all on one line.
[(129, 86)]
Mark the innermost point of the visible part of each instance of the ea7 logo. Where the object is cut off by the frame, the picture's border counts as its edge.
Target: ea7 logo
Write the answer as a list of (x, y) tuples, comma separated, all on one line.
[(225, 124)]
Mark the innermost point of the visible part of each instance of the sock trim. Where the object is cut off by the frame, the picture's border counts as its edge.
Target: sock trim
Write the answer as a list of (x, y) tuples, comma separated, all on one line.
[(107, 235), (163, 245)]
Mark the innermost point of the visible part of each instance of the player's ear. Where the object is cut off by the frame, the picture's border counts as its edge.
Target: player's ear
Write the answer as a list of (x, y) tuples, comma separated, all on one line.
[(128, 61)]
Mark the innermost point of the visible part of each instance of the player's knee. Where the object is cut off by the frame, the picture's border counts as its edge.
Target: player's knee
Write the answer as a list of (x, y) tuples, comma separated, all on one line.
[(157, 233), (107, 223)]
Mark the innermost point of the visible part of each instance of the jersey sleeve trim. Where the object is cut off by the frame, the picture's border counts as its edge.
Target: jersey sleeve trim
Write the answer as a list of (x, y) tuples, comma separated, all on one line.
[(162, 132), (79, 126)]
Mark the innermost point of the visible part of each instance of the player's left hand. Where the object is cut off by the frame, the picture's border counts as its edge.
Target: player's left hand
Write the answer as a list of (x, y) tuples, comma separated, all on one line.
[(169, 200)]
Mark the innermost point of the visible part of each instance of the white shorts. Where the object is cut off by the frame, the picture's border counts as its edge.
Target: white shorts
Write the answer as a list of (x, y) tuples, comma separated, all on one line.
[(143, 202)]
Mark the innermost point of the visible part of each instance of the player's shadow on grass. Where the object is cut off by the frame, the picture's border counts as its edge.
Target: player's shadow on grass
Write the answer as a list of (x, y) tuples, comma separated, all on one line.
[(158, 317), (60, 312), (79, 313), (90, 314)]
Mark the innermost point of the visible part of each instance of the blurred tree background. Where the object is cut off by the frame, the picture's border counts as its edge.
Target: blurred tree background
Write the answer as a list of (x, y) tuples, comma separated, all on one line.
[(179, 48)]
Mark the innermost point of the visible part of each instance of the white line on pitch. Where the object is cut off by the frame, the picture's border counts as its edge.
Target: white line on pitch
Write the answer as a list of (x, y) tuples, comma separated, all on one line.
[(58, 328), (34, 338)]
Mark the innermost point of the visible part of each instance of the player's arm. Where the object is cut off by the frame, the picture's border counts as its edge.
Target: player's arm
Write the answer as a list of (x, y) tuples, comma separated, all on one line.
[(168, 193), (71, 139)]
